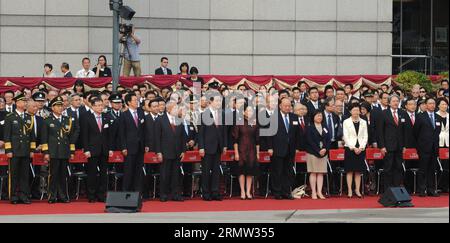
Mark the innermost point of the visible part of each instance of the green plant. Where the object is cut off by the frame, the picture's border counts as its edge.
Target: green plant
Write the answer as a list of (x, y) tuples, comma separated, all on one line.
[(408, 79)]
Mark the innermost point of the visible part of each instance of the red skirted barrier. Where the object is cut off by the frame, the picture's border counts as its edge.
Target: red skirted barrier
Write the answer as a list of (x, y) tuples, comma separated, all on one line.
[(253, 82)]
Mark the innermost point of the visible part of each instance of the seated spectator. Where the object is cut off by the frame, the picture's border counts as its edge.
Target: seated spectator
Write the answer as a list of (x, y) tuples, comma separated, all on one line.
[(86, 71)]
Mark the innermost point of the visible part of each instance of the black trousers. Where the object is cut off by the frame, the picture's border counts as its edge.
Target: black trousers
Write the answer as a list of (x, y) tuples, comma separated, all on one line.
[(133, 172), (211, 175), (393, 169), (427, 168), (57, 179), (170, 175), (97, 185), (186, 178), (282, 173), (20, 178)]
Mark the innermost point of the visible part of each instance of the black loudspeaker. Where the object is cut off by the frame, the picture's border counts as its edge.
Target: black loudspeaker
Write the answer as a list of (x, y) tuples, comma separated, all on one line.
[(123, 202), (396, 197), (127, 12)]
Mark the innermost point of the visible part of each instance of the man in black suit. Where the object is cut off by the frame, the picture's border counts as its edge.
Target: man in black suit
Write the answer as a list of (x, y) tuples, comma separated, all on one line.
[(9, 102), (95, 140), (190, 142), (283, 149), (303, 91), (170, 148), (164, 70), (212, 141), (314, 103), (410, 139), (427, 130), (391, 132), (132, 143), (75, 112)]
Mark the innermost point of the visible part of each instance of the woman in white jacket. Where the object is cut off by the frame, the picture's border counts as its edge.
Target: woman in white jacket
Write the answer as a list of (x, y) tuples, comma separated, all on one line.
[(355, 138), (443, 136)]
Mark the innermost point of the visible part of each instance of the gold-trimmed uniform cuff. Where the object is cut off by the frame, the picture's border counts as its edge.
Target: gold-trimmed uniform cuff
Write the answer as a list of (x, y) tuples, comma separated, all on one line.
[(72, 147), (8, 146), (33, 145), (44, 147)]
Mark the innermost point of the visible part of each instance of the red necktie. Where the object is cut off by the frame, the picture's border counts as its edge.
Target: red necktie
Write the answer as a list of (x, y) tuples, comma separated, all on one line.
[(412, 119), (136, 119), (302, 123), (99, 123), (395, 118)]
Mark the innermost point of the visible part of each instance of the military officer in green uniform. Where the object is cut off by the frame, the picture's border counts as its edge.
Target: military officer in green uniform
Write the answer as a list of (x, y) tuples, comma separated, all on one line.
[(59, 136), (19, 146)]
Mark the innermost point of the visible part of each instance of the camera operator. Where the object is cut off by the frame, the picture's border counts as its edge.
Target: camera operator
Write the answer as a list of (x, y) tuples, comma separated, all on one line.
[(132, 57)]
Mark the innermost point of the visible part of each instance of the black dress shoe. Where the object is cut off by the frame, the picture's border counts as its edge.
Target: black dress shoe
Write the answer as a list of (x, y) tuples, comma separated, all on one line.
[(64, 200), (288, 197), (26, 201), (163, 199), (15, 202), (178, 199), (423, 194), (433, 194), (207, 199), (91, 200), (278, 197), (217, 198), (52, 201)]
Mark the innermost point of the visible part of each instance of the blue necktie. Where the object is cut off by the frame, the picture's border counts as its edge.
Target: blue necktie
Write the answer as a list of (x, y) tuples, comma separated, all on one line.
[(286, 123), (432, 120), (330, 126)]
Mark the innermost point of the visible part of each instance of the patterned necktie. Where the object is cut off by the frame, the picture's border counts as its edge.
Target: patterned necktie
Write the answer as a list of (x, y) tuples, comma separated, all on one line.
[(286, 123), (136, 120), (432, 120), (302, 123), (99, 123), (413, 120), (395, 118)]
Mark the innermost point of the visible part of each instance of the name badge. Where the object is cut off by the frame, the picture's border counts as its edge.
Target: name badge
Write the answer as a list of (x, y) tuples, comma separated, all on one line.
[(438, 124), (73, 119), (29, 122), (325, 130), (403, 120), (142, 121), (106, 125), (335, 125), (295, 123), (52, 125), (2, 122), (15, 122), (67, 126), (191, 128), (321, 144)]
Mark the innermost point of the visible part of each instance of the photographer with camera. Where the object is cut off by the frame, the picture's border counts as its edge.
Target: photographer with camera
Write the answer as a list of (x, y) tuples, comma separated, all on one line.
[(131, 43)]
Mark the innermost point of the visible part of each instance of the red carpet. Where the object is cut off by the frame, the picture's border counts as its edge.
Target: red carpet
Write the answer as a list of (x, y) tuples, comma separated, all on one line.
[(196, 205)]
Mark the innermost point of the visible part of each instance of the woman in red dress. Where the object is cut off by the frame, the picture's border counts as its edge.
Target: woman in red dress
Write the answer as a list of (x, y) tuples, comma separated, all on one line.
[(246, 147)]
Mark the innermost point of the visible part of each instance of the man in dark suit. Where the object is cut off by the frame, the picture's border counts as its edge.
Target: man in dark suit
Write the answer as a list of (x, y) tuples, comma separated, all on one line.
[(303, 86), (95, 140), (427, 130), (170, 148), (410, 139), (66, 70), (391, 132), (75, 112), (212, 141), (283, 149), (190, 142), (331, 122), (132, 143), (314, 103), (164, 70)]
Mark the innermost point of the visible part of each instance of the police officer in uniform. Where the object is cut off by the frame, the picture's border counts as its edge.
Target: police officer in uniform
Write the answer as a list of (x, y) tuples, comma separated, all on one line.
[(58, 144), (39, 97), (19, 143)]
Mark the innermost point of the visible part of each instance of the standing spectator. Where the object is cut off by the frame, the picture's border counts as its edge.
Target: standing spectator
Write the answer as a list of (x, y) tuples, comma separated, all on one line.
[(164, 70), (313, 103), (170, 148), (194, 76), (131, 143), (102, 70), (283, 148), (65, 69), (444, 137), (317, 148), (184, 69), (355, 138), (2, 104), (331, 122), (391, 135), (303, 91), (212, 140), (48, 71), (78, 87), (427, 130), (85, 72), (132, 58), (366, 115), (246, 148)]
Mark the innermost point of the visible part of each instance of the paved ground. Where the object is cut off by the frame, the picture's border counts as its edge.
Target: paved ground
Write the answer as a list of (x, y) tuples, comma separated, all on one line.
[(411, 215)]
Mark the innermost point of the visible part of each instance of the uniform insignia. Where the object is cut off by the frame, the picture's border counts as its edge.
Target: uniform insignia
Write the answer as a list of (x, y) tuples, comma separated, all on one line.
[(15, 122), (52, 125)]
